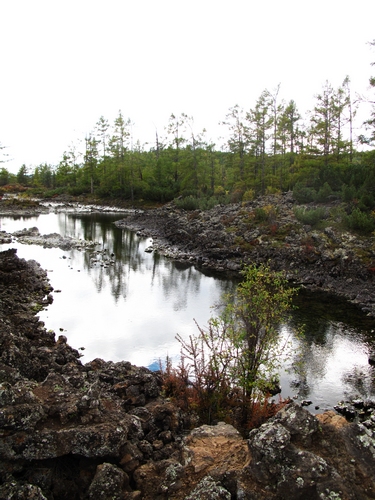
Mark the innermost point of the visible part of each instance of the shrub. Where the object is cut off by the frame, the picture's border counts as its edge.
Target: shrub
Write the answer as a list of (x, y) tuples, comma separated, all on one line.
[(219, 191), (187, 203), (236, 196), (272, 190), (51, 193), (209, 203), (261, 214), (366, 202), (157, 193), (76, 190), (310, 217), (324, 193), (360, 221), (348, 193), (303, 194), (227, 367), (193, 203), (248, 195)]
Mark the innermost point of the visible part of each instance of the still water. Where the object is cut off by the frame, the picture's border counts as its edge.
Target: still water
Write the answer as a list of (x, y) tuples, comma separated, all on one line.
[(119, 302)]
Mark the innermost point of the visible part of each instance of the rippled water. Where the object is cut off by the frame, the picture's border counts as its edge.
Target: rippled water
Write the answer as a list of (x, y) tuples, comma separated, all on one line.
[(131, 309)]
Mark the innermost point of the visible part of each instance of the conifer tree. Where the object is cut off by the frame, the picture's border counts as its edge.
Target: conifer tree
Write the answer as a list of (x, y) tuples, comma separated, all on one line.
[(370, 123)]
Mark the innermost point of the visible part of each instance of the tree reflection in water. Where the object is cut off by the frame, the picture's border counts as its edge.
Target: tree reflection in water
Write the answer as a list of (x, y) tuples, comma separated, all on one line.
[(332, 361), (132, 307)]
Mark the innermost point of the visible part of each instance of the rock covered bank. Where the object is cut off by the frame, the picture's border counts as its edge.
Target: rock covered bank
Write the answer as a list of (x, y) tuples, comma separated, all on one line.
[(104, 431), (266, 230)]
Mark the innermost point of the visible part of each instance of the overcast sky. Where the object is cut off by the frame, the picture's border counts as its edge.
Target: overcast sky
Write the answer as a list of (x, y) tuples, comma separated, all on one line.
[(65, 63)]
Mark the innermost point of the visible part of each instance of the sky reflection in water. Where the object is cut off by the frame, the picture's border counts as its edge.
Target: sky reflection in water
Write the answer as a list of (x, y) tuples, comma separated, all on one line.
[(132, 310)]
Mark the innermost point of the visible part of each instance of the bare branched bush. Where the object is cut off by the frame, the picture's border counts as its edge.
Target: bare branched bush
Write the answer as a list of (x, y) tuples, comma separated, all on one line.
[(227, 371)]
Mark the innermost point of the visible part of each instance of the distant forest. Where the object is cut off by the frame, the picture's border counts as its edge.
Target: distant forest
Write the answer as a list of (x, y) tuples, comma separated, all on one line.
[(269, 149)]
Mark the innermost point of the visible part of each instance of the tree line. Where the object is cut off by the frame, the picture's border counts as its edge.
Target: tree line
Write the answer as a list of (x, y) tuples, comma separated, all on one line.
[(269, 148)]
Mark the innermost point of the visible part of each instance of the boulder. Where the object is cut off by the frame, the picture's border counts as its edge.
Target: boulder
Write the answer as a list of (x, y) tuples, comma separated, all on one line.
[(208, 489), (109, 483), (293, 457)]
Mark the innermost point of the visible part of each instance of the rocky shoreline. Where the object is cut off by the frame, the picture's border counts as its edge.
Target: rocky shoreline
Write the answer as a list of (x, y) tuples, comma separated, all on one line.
[(104, 430), (225, 238), (32, 236)]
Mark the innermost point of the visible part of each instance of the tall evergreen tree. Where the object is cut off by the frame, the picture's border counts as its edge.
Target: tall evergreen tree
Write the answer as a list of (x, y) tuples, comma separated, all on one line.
[(287, 133), (235, 120), (175, 129), (370, 122), (275, 110), (91, 160), (5, 176), (327, 120), (119, 146), (23, 175), (351, 112), (68, 168), (102, 127), (194, 164), (260, 120), (44, 176), (322, 123), (287, 128)]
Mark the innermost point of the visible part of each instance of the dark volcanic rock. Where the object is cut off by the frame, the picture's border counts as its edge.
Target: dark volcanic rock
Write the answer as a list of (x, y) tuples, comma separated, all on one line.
[(52, 407), (102, 430), (226, 238), (294, 457)]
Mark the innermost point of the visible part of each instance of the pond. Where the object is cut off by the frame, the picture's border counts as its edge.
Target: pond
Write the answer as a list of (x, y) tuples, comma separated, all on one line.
[(119, 302)]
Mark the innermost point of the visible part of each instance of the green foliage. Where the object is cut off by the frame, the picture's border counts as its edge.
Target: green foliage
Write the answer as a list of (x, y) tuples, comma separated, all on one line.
[(248, 195), (310, 217), (44, 176), (324, 193), (204, 203), (6, 177), (360, 221), (188, 203), (348, 193), (51, 193), (159, 193), (267, 152), (22, 175), (76, 190), (366, 202), (235, 359), (263, 299), (303, 194), (219, 191), (261, 214)]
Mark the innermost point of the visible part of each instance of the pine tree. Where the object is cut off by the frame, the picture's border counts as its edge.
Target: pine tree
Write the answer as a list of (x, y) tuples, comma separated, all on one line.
[(235, 120), (370, 123), (260, 120)]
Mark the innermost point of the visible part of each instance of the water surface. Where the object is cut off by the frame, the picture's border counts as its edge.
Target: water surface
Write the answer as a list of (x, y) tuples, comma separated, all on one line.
[(122, 303), (129, 304)]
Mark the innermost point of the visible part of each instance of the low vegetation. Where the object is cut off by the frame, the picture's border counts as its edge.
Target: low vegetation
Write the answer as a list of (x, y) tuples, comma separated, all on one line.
[(229, 369)]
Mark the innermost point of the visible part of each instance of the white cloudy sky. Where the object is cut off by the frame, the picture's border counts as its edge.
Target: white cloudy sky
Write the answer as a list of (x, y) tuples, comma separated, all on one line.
[(64, 63)]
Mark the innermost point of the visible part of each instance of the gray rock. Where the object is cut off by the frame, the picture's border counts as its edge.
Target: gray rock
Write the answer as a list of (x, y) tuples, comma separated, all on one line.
[(109, 483), (208, 489), (15, 491)]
